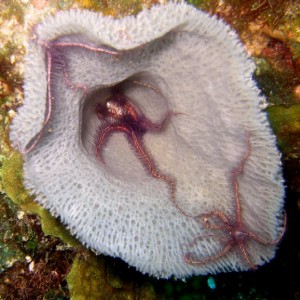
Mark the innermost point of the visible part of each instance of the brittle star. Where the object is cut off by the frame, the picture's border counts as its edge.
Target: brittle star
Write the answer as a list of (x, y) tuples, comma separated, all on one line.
[(51, 49), (235, 233), (133, 124), (119, 115)]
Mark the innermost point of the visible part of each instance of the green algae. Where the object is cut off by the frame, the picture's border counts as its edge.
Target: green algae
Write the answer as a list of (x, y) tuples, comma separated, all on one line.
[(91, 275), (278, 86), (104, 278), (28, 266), (12, 182), (285, 121), (27, 261), (206, 5)]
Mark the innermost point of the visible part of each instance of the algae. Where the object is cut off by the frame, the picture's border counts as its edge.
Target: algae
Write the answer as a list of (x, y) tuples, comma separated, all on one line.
[(105, 278), (116, 8), (285, 121), (12, 182)]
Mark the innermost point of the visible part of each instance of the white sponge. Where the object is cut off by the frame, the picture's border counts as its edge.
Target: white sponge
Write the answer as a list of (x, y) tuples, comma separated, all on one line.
[(170, 59)]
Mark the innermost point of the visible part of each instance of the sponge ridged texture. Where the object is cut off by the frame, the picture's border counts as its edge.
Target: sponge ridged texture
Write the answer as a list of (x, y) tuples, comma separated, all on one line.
[(201, 71)]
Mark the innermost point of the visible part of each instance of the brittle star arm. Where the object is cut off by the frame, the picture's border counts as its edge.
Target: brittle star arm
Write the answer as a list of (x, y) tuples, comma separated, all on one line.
[(205, 218), (37, 138), (188, 259), (274, 242), (236, 231), (148, 162), (155, 173), (140, 150), (245, 255), (105, 134), (91, 48), (154, 127), (34, 141), (137, 145)]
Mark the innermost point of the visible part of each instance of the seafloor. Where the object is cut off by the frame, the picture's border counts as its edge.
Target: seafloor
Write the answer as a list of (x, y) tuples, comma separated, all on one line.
[(38, 257)]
